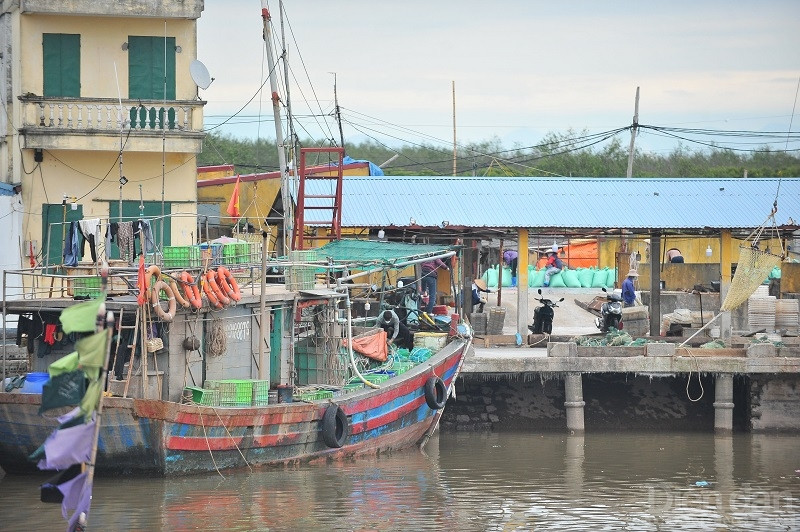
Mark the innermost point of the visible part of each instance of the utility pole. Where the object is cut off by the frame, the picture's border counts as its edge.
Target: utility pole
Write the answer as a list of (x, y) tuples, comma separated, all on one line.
[(634, 127), (338, 114), (454, 128)]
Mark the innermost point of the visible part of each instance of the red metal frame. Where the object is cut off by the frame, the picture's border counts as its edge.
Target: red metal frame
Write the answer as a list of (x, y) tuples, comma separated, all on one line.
[(300, 222)]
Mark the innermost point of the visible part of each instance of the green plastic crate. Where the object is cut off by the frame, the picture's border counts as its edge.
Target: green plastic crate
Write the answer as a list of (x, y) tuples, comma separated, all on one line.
[(182, 257), (374, 378), (202, 396), (86, 286), (236, 253), (401, 366), (232, 392), (260, 393), (353, 386), (313, 396)]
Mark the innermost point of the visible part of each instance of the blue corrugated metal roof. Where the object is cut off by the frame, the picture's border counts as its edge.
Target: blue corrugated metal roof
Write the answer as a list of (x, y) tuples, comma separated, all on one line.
[(588, 203)]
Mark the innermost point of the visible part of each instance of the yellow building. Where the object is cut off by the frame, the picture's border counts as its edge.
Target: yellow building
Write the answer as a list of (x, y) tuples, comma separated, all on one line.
[(104, 115)]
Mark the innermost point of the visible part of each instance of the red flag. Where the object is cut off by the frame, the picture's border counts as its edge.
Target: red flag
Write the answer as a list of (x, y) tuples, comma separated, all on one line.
[(141, 283), (233, 205)]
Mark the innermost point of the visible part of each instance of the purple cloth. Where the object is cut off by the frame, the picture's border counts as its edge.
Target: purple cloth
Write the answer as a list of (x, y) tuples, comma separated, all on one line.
[(509, 255), (77, 496), (65, 447)]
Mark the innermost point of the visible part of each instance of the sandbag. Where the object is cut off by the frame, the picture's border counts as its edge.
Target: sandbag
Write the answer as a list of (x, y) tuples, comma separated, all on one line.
[(491, 279), (585, 276), (506, 276), (612, 277), (557, 280), (571, 278), (600, 278), (536, 279)]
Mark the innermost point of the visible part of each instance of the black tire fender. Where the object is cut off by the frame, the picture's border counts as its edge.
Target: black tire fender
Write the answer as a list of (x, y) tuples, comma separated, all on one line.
[(435, 393), (335, 426)]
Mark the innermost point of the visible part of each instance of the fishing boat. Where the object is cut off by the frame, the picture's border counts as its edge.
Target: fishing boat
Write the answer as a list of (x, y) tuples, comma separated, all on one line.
[(325, 401), (228, 354)]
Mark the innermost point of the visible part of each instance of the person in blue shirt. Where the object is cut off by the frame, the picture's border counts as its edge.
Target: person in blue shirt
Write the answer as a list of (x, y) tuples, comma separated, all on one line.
[(478, 301), (628, 291)]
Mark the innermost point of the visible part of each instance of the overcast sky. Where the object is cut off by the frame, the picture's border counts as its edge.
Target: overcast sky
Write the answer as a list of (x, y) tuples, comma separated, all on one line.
[(522, 68)]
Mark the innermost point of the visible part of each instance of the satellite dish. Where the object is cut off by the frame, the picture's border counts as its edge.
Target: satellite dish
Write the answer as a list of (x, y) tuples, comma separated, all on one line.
[(200, 74)]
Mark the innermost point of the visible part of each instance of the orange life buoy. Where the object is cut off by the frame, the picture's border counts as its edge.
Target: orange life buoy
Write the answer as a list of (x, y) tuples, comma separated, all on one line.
[(228, 283), (211, 277), (157, 288), (173, 284), (191, 290), (151, 271), (209, 292)]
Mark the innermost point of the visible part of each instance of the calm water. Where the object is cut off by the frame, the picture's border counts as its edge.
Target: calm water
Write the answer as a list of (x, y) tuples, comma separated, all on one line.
[(468, 482)]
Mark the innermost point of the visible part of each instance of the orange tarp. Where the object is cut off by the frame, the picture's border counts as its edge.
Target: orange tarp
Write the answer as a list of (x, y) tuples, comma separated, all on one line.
[(576, 255), (371, 344)]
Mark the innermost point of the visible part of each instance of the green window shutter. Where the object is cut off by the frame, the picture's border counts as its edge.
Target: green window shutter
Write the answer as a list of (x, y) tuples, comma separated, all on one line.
[(61, 54), (146, 68), (151, 211), (55, 223)]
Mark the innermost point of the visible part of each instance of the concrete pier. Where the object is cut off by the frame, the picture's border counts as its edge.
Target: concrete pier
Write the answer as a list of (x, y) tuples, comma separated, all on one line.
[(749, 387), (573, 389), (723, 402)]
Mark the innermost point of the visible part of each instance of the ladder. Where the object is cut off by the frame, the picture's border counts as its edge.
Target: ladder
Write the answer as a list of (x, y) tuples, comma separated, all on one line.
[(319, 202), (131, 346)]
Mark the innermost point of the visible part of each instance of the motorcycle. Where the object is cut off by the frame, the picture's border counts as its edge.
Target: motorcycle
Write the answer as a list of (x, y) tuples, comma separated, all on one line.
[(610, 313), (543, 315)]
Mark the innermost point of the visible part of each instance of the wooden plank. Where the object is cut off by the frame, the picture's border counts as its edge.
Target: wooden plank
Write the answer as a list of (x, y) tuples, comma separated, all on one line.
[(592, 306), (495, 339)]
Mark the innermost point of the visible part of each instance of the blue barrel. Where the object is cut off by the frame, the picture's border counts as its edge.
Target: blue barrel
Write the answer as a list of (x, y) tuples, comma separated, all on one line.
[(34, 382), (285, 393)]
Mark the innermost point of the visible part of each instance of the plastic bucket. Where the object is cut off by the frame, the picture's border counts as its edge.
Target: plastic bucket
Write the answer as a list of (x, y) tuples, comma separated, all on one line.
[(34, 382)]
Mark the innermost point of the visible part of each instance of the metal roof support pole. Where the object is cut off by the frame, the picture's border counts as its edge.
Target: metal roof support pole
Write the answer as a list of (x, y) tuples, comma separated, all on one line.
[(725, 260), (500, 251), (655, 283), (522, 282)]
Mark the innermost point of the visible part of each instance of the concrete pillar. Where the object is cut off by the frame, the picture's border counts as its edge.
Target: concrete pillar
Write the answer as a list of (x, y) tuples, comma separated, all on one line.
[(574, 476), (573, 388), (723, 402)]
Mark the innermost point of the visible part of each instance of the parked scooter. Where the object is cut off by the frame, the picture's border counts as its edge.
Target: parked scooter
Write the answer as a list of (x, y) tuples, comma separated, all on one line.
[(543, 316), (610, 313)]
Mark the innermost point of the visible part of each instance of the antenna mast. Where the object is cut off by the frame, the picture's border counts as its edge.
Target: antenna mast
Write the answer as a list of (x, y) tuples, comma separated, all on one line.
[(288, 215)]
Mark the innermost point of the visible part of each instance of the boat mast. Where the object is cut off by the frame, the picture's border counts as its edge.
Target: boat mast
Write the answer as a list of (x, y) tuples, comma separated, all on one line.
[(276, 109)]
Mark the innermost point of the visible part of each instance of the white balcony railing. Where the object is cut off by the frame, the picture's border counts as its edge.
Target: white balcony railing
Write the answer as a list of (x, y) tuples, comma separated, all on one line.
[(104, 115)]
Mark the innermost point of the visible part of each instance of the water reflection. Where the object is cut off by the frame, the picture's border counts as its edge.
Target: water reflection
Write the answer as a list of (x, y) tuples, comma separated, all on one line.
[(518, 481)]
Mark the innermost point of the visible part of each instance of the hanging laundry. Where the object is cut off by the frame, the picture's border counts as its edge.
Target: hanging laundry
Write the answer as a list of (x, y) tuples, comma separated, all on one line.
[(50, 333), (31, 328), (71, 245), (125, 240), (146, 236), (111, 236), (90, 229)]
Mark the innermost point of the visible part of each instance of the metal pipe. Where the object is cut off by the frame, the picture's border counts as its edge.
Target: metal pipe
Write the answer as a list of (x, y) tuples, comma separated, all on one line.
[(350, 344), (397, 266)]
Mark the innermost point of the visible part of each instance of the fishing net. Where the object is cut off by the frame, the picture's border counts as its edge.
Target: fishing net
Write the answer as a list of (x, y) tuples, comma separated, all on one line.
[(754, 266)]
